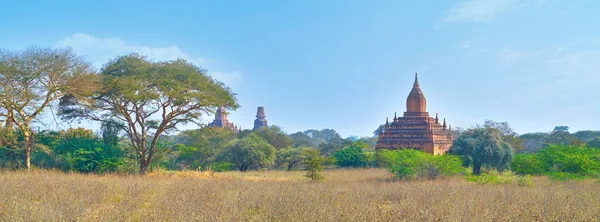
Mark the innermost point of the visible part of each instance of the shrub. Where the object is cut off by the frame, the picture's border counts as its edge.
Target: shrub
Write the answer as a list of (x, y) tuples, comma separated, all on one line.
[(560, 162), (352, 156), (312, 165), (527, 164), (577, 160), (491, 178), (524, 181), (370, 159), (222, 167), (413, 164)]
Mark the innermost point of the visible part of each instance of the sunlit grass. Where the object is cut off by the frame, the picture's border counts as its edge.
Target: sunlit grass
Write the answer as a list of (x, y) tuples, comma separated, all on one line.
[(359, 195)]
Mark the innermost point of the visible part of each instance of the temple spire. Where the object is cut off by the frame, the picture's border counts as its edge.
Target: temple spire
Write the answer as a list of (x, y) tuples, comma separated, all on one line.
[(444, 126), (387, 124), (395, 118), (416, 84), (416, 103), (437, 119)]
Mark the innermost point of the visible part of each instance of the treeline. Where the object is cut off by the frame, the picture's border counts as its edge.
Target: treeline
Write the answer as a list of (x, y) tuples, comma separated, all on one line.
[(207, 148)]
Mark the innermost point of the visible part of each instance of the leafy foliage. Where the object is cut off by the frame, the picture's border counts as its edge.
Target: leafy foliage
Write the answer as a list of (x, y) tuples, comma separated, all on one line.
[(595, 143), (275, 136), (587, 135), (482, 147), (560, 162), (77, 150), (197, 148), (249, 152), (561, 136), (492, 178), (290, 157), (312, 165), (148, 99), (413, 164), (529, 164), (507, 133), (353, 156), (34, 78)]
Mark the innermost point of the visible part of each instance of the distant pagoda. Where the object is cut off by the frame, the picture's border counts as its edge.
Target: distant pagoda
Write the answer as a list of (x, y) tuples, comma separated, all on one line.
[(416, 129), (260, 118), (221, 121)]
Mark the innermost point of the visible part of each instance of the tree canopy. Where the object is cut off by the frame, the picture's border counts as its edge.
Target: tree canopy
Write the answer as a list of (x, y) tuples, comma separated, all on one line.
[(251, 151), (482, 147), (149, 99), (32, 79)]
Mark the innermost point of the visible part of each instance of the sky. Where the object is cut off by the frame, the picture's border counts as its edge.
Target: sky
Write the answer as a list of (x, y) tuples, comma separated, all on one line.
[(349, 64)]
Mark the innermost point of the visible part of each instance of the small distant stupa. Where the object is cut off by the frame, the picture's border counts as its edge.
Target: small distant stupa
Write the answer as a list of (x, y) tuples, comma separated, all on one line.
[(260, 119)]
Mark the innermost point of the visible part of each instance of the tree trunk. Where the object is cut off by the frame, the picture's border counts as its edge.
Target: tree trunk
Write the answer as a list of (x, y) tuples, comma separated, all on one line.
[(144, 164), (28, 144), (290, 166), (476, 169)]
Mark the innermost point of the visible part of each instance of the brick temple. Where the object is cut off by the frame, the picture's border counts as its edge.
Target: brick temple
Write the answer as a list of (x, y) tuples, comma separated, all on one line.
[(416, 129), (221, 121)]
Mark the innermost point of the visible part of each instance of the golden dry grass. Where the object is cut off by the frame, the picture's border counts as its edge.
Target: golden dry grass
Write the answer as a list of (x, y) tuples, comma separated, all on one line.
[(345, 195)]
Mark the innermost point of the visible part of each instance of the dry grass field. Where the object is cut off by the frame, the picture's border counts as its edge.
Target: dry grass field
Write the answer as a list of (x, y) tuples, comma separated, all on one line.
[(345, 195)]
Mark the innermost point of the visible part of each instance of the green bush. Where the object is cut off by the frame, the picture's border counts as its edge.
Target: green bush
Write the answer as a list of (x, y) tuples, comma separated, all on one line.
[(491, 178), (370, 159), (560, 162), (312, 165), (527, 164), (413, 164), (222, 167), (578, 160), (352, 156), (524, 181)]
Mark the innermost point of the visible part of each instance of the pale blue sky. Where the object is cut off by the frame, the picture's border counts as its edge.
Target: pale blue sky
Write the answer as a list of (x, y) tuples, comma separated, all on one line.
[(347, 64)]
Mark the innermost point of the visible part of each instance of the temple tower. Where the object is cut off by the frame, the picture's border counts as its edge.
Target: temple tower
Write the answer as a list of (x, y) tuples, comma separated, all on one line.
[(260, 118), (416, 102), (221, 121), (416, 129)]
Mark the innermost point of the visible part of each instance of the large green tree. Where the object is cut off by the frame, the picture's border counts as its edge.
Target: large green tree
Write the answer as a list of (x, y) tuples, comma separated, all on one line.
[(301, 139), (532, 142), (249, 152), (150, 98), (290, 156), (482, 147), (275, 136), (507, 133), (595, 143), (31, 80), (586, 135), (561, 136)]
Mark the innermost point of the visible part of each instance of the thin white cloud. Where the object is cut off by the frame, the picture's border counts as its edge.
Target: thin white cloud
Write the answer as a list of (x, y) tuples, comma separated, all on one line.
[(482, 10), (512, 55), (101, 50), (577, 69), (466, 44)]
